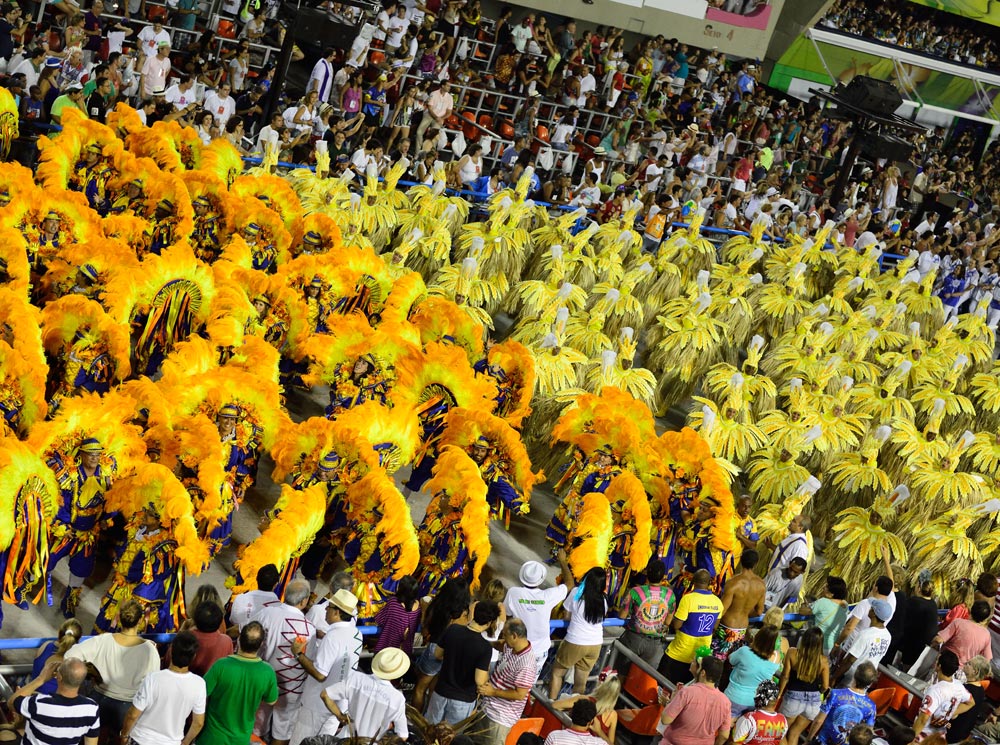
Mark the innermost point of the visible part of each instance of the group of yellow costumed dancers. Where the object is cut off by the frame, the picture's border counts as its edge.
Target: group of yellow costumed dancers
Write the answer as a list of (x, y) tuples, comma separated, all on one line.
[(159, 305)]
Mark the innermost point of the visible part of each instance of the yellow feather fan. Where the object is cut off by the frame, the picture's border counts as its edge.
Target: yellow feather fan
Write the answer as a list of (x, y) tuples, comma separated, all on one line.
[(463, 427), (627, 491), (441, 320), (223, 160), (518, 365), (22, 385), (393, 432), (275, 193), (21, 327), (211, 388), (441, 370), (154, 484), (406, 294), (457, 476), (300, 516), (107, 418), (29, 497), (375, 497), (300, 447), (13, 252), (594, 530), (72, 317)]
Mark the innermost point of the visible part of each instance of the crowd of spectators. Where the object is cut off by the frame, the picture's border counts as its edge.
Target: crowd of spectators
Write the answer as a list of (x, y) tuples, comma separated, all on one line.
[(918, 28), (604, 123), (295, 667)]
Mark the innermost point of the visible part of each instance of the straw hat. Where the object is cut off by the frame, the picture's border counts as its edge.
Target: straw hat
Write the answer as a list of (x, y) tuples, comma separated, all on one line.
[(390, 663)]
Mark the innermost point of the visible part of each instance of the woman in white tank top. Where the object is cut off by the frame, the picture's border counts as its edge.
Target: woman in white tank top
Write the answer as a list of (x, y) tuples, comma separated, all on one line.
[(470, 166)]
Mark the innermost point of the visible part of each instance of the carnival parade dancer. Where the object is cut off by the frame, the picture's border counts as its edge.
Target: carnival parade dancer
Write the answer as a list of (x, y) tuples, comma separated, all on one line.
[(218, 296)]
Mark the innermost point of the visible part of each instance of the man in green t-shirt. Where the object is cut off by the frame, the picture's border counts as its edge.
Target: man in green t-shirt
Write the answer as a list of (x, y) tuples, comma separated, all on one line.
[(235, 687), (71, 99)]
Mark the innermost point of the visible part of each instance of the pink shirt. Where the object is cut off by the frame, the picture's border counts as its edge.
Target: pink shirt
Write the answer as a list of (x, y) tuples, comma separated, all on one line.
[(966, 638), (699, 712)]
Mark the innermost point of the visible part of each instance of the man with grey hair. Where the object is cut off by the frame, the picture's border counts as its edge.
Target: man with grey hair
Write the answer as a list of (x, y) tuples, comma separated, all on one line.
[(284, 623), (64, 716), (317, 613), (503, 697)]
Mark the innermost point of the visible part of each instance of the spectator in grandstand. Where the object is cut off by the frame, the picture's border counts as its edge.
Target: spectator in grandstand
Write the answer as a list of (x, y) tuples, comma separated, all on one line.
[(699, 713), (123, 659), (166, 698), (235, 688), (581, 647), (369, 704), (504, 696), (844, 708), (64, 716), (581, 718)]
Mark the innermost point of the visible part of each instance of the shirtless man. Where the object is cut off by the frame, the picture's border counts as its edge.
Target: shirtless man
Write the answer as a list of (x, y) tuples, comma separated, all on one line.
[(742, 598)]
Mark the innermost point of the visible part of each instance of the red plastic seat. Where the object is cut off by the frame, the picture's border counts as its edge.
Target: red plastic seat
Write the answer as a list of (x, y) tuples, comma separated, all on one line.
[(641, 686), (593, 140), (506, 129), (542, 133), (882, 698), (485, 120), (642, 721), (531, 724), (226, 28), (453, 122), (376, 57), (550, 722), (156, 13)]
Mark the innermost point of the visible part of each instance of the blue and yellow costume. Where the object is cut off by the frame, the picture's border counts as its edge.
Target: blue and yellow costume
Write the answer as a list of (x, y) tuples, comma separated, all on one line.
[(264, 255), (349, 389), (205, 236), (147, 569), (381, 544), (334, 476), (93, 178), (594, 476), (80, 517), (454, 534), (318, 309), (129, 204), (163, 223)]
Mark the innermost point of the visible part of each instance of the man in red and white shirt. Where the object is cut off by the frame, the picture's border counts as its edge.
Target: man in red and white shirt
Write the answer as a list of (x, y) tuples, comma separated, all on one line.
[(156, 70), (221, 104), (943, 700), (284, 623), (504, 696), (581, 716)]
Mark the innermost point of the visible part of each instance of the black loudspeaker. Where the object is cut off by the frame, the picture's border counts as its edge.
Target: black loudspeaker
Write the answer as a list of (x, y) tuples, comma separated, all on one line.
[(315, 29), (892, 148), (874, 96)]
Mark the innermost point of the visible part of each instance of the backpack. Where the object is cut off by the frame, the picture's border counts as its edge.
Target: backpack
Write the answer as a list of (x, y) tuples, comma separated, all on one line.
[(651, 613)]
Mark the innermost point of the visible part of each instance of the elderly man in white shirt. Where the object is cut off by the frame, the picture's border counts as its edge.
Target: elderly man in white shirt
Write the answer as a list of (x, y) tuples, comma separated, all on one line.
[(284, 623), (336, 655), (370, 702)]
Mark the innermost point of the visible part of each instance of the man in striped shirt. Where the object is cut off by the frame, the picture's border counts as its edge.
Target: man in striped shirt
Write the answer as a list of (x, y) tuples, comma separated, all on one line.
[(62, 718), (504, 696), (581, 716)]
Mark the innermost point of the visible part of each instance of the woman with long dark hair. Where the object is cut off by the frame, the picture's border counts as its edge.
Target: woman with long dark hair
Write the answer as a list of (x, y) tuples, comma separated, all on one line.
[(804, 679), (399, 617), (587, 606), (451, 605)]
